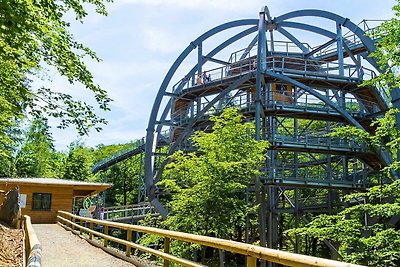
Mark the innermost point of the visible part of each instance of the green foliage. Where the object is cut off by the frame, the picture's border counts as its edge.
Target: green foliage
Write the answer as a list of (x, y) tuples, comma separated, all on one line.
[(124, 175), (78, 165), (386, 136), (388, 51), (367, 232), (34, 36), (34, 157), (375, 244), (9, 148), (125, 179), (208, 185)]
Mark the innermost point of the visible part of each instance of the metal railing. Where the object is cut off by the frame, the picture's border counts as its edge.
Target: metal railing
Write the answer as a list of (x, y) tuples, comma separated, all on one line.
[(281, 47), (129, 211), (356, 177), (133, 149), (322, 141), (136, 145), (351, 39), (317, 138), (289, 65), (251, 252), (302, 101)]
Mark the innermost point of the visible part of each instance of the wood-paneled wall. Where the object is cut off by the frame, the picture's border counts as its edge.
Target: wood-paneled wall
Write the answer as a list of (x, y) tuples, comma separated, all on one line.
[(61, 199)]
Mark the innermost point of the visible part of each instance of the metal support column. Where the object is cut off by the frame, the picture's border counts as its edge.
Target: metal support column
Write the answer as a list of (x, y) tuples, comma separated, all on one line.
[(340, 48), (261, 66), (199, 58)]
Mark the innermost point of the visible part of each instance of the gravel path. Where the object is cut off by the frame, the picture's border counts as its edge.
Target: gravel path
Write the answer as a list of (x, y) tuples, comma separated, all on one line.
[(63, 248)]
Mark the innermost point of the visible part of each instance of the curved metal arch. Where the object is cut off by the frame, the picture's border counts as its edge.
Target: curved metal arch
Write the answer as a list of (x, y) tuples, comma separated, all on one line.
[(210, 54), (369, 44), (185, 53), (198, 42), (161, 92), (306, 27), (326, 33)]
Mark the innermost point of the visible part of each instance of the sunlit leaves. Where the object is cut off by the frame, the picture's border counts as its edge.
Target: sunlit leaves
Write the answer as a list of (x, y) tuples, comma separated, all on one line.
[(34, 34), (208, 185)]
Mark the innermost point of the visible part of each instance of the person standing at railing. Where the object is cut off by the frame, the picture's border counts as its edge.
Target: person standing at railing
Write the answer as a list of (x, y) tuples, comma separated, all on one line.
[(361, 74), (102, 213), (199, 79), (204, 76), (254, 64), (208, 77)]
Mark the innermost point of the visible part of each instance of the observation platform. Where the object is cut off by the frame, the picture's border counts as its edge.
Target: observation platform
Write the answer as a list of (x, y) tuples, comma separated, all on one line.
[(308, 72)]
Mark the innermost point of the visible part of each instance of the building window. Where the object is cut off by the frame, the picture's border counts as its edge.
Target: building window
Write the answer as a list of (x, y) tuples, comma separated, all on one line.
[(41, 201)]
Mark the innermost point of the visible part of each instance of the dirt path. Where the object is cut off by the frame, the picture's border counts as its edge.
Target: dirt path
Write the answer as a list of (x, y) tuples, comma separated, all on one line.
[(62, 248)]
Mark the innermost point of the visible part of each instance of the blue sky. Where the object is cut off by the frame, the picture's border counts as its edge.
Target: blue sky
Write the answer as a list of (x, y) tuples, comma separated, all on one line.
[(140, 39)]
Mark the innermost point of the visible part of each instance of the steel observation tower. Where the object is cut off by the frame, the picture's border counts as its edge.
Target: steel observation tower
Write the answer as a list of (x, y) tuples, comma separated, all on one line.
[(297, 82)]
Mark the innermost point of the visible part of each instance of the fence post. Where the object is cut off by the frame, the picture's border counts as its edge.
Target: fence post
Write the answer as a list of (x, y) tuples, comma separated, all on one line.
[(91, 228), (80, 228), (251, 262), (73, 226), (106, 233), (167, 243), (128, 238)]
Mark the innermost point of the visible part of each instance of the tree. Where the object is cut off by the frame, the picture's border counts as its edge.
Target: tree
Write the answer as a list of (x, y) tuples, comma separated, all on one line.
[(375, 242), (124, 175), (125, 180), (208, 185), (34, 37), (79, 162), (9, 148), (34, 157), (367, 232), (388, 51)]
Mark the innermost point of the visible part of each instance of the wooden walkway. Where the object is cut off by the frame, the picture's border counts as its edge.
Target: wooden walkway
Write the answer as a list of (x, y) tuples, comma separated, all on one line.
[(61, 248)]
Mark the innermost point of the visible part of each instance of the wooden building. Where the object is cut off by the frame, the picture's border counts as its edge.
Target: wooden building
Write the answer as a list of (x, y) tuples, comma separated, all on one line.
[(41, 198)]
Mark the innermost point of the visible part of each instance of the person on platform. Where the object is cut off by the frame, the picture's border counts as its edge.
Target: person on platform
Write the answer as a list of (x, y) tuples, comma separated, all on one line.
[(204, 77), (199, 79), (101, 213)]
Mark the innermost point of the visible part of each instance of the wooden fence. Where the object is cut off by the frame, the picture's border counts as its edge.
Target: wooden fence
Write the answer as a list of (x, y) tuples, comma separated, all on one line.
[(33, 249), (251, 252)]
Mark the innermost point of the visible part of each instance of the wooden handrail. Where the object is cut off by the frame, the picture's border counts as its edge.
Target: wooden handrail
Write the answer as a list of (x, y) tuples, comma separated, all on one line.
[(32, 244), (250, 251)]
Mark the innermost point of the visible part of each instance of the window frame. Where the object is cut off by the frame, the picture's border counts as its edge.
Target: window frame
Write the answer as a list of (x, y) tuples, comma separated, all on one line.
[(42, 201)]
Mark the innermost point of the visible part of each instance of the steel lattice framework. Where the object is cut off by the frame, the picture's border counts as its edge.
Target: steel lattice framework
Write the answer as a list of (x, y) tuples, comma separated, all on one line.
[(296, 94)]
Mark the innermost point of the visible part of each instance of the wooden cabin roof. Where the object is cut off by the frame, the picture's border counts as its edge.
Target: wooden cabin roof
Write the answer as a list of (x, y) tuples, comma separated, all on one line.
[(54, 182)]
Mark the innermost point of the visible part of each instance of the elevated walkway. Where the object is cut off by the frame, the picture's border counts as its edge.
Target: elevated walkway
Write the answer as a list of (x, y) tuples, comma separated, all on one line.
[(121, 155), (129, 213)]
